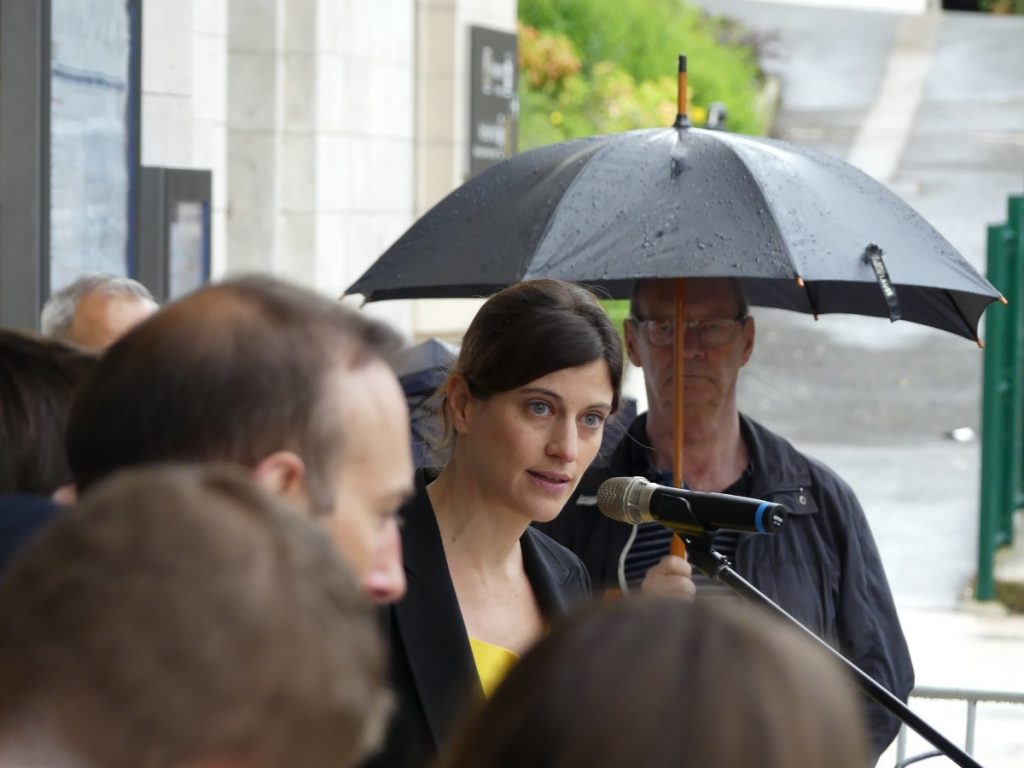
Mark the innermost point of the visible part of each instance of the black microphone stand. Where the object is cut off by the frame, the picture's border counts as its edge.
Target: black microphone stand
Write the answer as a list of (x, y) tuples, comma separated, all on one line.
[(717, 568)]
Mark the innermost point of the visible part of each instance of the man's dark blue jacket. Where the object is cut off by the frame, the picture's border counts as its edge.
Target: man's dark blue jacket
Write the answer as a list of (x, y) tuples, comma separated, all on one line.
[(22, 516), (823, 567)]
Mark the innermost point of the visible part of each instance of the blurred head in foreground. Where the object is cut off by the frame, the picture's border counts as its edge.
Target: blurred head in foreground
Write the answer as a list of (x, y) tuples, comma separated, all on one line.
[(183, 617), (657, 683)]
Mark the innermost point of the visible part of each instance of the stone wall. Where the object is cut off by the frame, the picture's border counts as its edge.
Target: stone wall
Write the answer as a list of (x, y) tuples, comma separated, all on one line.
[(328, 125)]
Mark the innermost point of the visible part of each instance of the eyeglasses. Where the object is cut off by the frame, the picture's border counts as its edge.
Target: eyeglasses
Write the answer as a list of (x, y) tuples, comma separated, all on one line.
[(710, 333)]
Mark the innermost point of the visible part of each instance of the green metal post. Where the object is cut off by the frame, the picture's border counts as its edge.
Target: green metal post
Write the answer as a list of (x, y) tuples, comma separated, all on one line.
[(1015, 224), (1012, 426), (994, 472)]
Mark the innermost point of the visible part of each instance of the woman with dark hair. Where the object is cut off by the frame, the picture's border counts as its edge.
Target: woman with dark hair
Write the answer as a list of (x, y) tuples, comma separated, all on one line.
[(39, 379), (655, 682), (524, 409)]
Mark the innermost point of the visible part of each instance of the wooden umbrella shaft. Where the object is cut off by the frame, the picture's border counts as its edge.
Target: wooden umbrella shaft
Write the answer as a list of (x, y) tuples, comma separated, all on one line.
[(678, 381), (677, 546), (682, 120)]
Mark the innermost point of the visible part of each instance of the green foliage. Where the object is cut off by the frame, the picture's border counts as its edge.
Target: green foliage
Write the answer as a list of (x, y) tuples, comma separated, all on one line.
[(599, 66), (1003, 6), (617, 310), (632, 33)]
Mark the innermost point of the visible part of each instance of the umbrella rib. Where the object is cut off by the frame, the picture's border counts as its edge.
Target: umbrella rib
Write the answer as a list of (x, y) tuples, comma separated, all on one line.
[(602, 149), (771, 209), (810, 297)]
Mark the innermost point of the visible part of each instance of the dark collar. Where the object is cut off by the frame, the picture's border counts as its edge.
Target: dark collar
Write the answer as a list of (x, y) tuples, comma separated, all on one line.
[(549, 574), (775, 464), (433, 633)]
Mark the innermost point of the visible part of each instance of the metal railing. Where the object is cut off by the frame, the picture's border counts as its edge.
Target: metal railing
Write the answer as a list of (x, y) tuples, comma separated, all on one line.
[(971, 699)]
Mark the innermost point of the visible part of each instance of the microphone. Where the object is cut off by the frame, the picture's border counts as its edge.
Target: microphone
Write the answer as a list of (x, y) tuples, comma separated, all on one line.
[(636, 500)]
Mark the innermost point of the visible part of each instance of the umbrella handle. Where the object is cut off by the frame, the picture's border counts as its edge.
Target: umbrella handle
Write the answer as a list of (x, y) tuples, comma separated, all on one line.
[(677, 546)]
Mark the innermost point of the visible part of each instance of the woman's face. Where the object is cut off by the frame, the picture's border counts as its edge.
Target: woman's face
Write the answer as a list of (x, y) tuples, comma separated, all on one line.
[(530, 446)]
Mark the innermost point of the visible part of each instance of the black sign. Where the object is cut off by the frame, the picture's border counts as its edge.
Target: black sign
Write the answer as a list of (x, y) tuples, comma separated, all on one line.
[(493, 103)]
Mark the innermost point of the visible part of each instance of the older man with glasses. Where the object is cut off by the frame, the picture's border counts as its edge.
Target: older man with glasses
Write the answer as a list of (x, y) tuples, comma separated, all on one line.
[(823, 567)]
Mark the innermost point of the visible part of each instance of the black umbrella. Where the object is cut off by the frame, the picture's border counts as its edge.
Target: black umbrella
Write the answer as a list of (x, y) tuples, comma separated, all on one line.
[(801, 229)]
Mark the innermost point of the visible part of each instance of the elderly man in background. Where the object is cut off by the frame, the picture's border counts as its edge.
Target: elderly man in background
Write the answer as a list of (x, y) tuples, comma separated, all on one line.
[(823, 568), (182, 617), (96, 310)]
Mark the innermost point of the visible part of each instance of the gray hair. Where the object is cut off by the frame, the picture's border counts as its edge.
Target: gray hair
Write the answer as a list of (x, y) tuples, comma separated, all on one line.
[(640, 284), (59, 309)]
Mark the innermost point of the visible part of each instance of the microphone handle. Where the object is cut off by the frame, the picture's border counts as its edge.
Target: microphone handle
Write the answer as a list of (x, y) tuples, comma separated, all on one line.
[(711, 511), (677, 546)]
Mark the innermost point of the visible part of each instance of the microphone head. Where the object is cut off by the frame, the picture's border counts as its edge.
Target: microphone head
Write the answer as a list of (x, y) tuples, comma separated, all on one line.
[(618, 497)]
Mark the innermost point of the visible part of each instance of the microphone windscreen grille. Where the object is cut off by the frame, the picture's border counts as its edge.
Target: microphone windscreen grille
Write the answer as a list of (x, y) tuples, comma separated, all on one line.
[(611, 498)]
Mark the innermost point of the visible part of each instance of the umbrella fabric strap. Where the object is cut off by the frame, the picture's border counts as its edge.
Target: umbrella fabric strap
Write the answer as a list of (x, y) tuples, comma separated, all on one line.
[(873, 256)]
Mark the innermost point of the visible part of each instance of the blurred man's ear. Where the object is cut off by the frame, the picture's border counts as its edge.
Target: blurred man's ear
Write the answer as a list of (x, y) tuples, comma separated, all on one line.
[(748, 340), (283, 473), (66, 495)]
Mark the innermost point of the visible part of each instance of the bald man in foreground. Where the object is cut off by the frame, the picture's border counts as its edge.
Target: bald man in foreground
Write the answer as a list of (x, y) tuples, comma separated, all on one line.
[(289, 384)]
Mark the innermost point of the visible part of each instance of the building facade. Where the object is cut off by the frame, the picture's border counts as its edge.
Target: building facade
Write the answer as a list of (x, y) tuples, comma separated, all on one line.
[(327, 126)]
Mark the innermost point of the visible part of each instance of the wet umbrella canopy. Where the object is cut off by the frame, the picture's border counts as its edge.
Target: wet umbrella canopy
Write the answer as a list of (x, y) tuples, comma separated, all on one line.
[(803, 230)]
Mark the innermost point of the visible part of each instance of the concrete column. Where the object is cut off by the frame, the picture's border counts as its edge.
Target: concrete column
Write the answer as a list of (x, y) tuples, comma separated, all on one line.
[(321, 138), (298, 112), (210, 114), (167, 80), (442, 118), (366, 172), (185, 99), (254, 96)]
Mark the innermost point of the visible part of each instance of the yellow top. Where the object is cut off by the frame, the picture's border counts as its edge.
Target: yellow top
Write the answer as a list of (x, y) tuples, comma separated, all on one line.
[(492, 663)]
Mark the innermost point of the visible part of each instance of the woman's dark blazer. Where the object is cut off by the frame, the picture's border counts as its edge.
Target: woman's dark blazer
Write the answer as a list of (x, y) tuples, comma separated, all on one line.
[(433, 674)]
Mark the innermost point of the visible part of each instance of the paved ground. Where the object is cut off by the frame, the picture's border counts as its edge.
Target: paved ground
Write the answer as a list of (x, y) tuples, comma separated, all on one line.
[(877, 401)]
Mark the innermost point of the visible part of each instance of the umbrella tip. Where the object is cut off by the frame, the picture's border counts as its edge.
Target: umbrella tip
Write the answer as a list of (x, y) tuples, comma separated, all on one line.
[(799, 281), (682, 120), (816, 317), (1003, 300), (981, 344)]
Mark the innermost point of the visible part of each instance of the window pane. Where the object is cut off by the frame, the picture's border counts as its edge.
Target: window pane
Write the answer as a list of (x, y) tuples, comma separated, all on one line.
[(188, 252), (89, 138)]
